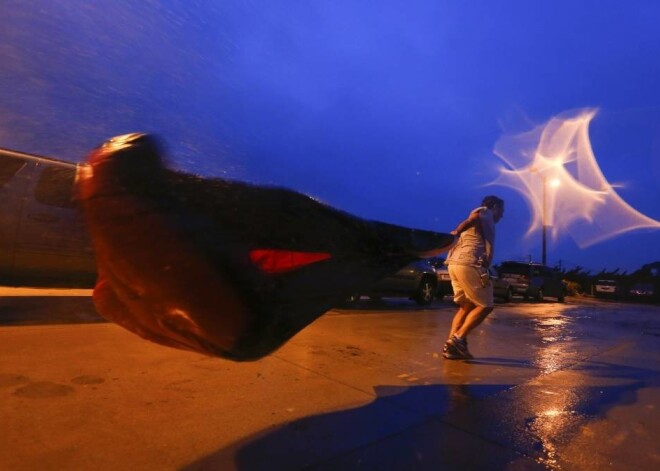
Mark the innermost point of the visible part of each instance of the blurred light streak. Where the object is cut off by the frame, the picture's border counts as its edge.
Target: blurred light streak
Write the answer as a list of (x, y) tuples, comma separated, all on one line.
[(580, 201)]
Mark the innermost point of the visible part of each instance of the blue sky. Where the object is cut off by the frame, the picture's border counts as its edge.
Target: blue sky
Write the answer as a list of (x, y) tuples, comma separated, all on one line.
[(387, 109)]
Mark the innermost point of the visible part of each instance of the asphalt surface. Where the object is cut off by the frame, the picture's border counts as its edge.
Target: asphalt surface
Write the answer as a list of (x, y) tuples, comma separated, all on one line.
[(553, 386)]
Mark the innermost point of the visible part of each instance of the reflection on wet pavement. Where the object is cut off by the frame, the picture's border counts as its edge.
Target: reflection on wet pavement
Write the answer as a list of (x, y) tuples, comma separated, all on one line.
[(580, 390), (559, 387), (574, 381)]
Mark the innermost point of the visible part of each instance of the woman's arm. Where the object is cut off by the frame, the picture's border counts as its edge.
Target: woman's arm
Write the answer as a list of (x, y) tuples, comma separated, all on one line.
[(471, 221)]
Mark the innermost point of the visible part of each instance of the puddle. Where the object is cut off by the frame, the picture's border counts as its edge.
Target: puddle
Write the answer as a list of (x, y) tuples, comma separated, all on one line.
[(44, 389), (7, 380)]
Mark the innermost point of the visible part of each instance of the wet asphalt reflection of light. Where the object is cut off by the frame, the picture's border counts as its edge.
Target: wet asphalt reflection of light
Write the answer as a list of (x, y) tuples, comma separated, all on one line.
[(557, 386), (551, 387), (543, 415)]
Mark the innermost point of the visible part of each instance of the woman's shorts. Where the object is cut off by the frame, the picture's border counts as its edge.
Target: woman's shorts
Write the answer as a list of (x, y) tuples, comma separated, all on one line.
[(469, 287)]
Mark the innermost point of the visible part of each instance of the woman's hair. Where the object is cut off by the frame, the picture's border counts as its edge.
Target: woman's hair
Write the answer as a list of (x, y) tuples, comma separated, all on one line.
[(491, 201)]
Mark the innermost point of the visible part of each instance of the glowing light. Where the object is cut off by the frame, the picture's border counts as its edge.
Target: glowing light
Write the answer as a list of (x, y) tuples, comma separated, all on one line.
[(559, 154), (119, 142), (554, 183)]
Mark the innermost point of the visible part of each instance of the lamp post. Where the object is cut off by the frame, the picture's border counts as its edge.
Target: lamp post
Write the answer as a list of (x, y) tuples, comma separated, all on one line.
[(553, 183)]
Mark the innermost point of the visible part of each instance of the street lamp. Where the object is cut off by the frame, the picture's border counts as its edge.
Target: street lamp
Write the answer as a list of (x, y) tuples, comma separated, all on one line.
[(554, 183)]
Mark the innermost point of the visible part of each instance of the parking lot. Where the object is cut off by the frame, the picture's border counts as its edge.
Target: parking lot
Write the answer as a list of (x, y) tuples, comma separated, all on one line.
[(553, 386)]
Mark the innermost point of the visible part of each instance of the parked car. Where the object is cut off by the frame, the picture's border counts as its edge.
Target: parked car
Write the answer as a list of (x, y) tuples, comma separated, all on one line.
[(442, 275), (643, 291), (42, 235), (606, 289), (501, 287), (416, 281), (533, 280)]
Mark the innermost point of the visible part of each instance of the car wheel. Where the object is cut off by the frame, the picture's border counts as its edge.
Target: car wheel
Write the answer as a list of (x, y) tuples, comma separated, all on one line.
[(425, 292), (508, 297), (539, 295), (440, 293)]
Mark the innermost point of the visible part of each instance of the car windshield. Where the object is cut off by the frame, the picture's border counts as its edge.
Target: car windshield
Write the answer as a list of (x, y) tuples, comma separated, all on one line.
[(644, 286), (437, 262), (9, 167), (515, 269), (55, 187)]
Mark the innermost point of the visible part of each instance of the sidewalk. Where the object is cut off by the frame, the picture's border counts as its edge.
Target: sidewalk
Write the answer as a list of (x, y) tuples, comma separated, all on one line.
[(572, 386)]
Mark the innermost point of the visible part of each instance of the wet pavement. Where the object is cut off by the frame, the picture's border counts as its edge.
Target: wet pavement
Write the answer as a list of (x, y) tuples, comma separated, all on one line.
[(553, 386)]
